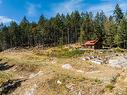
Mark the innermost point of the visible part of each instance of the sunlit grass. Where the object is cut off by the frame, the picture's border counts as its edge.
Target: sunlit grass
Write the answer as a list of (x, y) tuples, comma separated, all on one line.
[(4, 76)]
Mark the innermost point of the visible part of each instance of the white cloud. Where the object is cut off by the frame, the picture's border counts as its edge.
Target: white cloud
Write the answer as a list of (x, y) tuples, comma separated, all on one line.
[(71, 5), (123, 6), (108, 8), (32, 9), (68, 6), (5, 20)]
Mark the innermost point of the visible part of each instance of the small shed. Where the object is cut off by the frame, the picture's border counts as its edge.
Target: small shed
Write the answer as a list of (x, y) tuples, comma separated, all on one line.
[(92, 44)]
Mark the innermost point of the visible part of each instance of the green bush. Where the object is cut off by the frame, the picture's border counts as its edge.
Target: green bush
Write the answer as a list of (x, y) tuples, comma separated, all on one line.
[(98, 81), (118, 50), (73, 53), (110, 87), (68, 53)]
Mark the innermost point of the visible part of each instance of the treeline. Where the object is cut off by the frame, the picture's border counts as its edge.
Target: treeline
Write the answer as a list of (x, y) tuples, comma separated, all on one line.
[(65, 29)]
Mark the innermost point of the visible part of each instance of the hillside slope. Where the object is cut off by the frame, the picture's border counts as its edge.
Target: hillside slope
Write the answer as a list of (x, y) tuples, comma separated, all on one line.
[(58, 71)]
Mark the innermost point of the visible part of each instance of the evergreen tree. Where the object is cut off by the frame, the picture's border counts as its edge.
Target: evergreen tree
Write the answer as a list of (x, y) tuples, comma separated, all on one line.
[(65, 29), (100, 19), (15, 34), (110, 31), (88, 27), (118, 14), (24, 24), (123, 33)]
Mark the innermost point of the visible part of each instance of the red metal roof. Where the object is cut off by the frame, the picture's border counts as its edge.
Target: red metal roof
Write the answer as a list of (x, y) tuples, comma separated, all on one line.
[(91, 43)]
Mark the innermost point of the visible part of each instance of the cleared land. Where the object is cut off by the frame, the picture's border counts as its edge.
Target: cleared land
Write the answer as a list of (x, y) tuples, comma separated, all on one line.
[(65, 71)]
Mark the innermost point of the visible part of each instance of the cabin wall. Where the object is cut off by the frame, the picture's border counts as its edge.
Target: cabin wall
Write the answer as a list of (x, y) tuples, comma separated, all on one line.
[(90, 47), (98, 45)]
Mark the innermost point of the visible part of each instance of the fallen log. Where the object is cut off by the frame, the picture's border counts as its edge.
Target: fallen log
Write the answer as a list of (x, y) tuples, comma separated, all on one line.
[(10, 86)]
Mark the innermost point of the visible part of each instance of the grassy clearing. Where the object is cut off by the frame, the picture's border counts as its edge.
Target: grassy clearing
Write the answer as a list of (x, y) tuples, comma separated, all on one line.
[(71, 83), (34, 59), (67, 78), (50, 62), (61, 53), (71, 53)]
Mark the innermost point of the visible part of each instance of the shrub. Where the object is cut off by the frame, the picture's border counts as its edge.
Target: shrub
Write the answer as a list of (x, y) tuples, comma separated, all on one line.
[(118, 50), (69, 53), (98, 81), (110, 87)]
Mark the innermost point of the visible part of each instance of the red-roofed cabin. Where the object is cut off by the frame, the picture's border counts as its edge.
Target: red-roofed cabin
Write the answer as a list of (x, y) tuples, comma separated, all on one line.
[(94, 44)]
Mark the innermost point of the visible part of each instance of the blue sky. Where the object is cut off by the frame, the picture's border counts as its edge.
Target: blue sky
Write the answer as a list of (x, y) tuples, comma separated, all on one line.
[(32, 9)]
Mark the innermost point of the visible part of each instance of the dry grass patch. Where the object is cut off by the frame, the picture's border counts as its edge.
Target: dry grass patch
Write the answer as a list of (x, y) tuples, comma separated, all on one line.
[(110, 87), (5, 76)]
